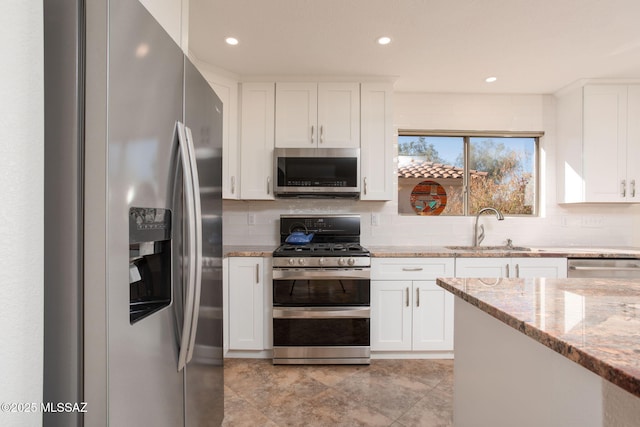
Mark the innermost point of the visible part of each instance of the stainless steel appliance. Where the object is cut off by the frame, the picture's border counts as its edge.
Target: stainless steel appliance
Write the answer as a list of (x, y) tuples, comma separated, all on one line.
[(321, 293), (610, 268), (133, 283), (317, 172)]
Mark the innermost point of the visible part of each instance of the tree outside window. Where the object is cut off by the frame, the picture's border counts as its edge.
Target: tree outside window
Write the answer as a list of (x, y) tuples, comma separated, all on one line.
[(497, 171)]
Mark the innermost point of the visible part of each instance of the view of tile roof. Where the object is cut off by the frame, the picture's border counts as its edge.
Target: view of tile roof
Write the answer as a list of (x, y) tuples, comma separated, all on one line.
[(434, 170)]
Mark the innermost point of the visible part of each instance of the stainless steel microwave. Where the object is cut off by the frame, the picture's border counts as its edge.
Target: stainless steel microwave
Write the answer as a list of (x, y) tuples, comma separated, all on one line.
[(317, 172)]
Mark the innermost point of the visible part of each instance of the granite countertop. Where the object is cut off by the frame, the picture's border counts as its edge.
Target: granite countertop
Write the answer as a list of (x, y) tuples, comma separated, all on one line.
[(447, 252), (248, 250), (593, 322), (501, 252)]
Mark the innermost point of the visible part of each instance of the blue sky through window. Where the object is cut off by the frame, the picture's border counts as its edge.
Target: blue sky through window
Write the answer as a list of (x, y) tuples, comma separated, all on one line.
[(449, 148)]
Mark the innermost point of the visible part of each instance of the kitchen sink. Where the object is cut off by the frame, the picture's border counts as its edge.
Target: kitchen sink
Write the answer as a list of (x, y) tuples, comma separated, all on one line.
[(503, 248)]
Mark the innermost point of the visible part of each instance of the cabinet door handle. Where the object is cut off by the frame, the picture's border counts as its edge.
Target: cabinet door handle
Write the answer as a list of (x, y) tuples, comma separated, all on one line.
[(517, 271), (312, 133), (257, 274), (623, 191), (411, 268), (321, 134), (233, 185), (417, 297), (407, 304), (365, 185), (633, 188), (268, 185), (507, 270)]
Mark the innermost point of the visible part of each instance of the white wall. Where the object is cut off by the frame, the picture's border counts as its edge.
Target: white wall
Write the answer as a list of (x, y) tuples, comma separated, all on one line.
[(173, 16), (21, 214), (593, 225)]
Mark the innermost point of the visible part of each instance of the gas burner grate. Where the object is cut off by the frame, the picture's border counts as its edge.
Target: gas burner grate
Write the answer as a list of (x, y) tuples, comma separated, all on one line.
[(322, 249), (333, 236), (295, 248)]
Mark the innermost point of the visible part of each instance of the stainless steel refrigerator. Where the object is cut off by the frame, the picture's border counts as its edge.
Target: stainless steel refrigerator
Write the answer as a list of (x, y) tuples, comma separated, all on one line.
[(133, 222)]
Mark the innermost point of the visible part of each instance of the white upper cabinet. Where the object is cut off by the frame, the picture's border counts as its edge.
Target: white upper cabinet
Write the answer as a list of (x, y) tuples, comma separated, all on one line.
[(256, 141), (376, 142), (599, 144), (317, 115), (227, 91), (633, 143)]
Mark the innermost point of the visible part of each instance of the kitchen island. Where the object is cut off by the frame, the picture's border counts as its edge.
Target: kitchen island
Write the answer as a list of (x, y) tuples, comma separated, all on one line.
[(552, 352)]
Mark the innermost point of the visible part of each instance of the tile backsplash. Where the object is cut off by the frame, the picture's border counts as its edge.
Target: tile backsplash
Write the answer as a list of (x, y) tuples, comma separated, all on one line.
[(585, 225)]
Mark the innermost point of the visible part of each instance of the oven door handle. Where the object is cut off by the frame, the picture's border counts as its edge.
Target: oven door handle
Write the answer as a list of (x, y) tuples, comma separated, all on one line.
[(312, 274), (321, 312)]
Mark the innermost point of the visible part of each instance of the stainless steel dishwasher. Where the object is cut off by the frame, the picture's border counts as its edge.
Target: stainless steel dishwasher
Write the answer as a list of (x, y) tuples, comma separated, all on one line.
[(605, 268)]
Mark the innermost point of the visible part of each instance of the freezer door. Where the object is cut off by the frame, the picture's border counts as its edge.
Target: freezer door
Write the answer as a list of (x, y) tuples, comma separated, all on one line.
[(143, 92)]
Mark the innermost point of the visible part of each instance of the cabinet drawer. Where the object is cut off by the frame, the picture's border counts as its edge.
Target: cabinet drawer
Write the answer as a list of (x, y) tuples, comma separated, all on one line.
[(411, 268)]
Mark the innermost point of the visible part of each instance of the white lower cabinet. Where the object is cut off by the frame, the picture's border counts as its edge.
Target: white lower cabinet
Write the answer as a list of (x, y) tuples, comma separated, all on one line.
[(518, 267), (409, 312), (246, 296)]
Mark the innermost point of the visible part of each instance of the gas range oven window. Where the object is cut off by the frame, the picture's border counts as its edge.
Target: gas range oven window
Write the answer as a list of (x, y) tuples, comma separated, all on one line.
[(321, 332), (321, 292)]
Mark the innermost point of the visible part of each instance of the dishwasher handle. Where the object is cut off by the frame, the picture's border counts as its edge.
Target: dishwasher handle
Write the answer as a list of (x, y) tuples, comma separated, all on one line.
[(595, 268)]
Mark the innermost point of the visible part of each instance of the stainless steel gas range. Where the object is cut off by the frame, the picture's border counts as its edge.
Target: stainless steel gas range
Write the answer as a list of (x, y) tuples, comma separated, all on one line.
[(321, 292)]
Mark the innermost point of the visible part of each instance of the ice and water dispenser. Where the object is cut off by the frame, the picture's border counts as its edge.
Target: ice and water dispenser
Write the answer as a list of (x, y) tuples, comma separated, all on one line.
[(149, 261)]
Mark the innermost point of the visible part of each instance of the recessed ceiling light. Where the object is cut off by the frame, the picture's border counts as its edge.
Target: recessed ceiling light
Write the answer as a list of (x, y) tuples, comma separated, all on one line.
[(384, 40), (490, 79), (231, 40)]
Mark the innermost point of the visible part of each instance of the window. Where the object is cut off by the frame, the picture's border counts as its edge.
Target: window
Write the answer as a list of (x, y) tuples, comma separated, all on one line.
[(453, 173)]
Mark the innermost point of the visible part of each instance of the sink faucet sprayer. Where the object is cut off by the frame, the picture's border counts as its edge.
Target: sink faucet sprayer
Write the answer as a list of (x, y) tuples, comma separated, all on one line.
[(477, 239)]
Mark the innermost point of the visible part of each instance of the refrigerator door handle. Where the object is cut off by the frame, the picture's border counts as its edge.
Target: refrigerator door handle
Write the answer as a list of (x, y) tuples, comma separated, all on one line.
[(197, 256), (190, 265)]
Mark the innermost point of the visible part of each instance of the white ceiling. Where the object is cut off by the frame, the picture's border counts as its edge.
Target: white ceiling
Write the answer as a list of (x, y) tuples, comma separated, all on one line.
[(532, 46)]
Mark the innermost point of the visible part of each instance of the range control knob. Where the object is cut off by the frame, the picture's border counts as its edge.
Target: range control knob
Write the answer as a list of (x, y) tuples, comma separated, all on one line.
[(321, 261), (301, 261), (292, 261), (342, 261), (351, 261)]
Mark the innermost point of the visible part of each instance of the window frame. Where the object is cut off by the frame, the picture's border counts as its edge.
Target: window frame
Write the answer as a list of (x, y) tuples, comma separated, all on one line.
[(466, 136)]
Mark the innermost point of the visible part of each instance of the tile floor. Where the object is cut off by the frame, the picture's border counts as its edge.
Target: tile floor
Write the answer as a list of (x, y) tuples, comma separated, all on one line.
[(386, 393)]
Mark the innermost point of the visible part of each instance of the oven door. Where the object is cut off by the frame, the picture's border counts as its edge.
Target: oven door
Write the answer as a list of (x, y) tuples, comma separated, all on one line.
[(321, 335), (312, 287)]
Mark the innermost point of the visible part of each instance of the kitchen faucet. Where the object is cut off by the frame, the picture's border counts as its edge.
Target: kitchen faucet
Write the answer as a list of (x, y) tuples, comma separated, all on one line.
[(477, 239)]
